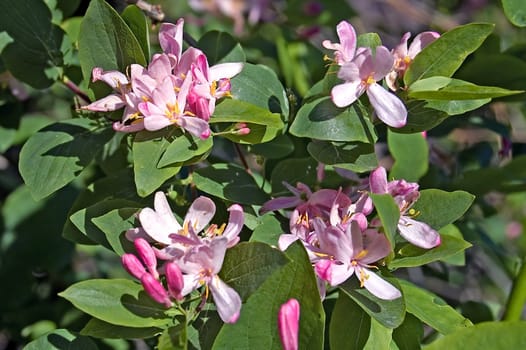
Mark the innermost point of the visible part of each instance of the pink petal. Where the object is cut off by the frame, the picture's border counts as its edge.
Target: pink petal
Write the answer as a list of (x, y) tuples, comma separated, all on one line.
[(200, 213), (285, 240), (383, 62), (388, 107), (113, 78), (400, 51), (376, 245), (225, 70), (418, 233), (171, 37), (288, 324), (156, 122), (133, 265), (378, 180), (344, 94), (420, 41), (349, 72), (195, 126), (347, 37), (379, 287), (162, 208), (280, 203), (235, 224), (106, 104), (155, 290), (227, 300)]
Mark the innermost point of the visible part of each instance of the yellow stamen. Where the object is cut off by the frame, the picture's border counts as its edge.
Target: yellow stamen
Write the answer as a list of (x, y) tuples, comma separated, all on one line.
[(362, 254), (370, 80)]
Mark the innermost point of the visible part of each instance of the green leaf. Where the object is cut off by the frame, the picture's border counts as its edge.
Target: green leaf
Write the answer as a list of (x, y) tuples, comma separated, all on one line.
[(230, 182), (442, 88), (410, 255), (61, 339), (410, 152), (119, 185), (355, 156), (174, 338), (248, 265), (148, 148), (515, 10), (5, 39), (379, 338), (220, 47), (117, 301), (264, 125), (57, 154), (389, 313), (257, 325), (409, 334), (438, 208), (114, 223), (85, 221), (259, 85), (487, 335), (371, 40), (389, 214), (455, 107), (139, 25), (432, 310), (104, 330), (421, 118), (322, 120), (34, 55), (507, 178), (279, 147), (268, 230), (184, 148), (292, 170), (106, 41), (445, 55), (350, 325)]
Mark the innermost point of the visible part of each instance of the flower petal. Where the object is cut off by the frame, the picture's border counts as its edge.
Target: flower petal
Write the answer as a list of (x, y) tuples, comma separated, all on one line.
[(224, 70), (200, 213), (379, 287), (236, 221), (162, 208), (383, 62), (418, 233), (106, 104), (288, 324), (378, 180), (388, 107), (227, 300), (420, 41), (344, 94)]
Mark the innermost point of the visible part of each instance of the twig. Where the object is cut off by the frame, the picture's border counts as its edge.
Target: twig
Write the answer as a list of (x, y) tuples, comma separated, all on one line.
[(155, 12), (242, 158), (73, 87), (517, 298)]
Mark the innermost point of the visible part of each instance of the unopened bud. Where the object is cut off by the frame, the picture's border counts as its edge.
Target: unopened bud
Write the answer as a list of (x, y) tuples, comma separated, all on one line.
[(288, 324), (174, 279), (147, 255), (155, 290), (133, 265)]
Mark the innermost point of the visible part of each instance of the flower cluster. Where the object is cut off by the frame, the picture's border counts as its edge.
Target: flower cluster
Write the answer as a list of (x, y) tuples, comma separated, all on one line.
[(177, 88), (361, 70), (338, 236), (192, 253)]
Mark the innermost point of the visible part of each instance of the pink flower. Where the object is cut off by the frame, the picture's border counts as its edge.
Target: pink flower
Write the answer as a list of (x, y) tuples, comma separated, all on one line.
[(168, 108), (345, 251), (201, 265), (404, 55), (405, 195), (346, 48), (288, 324), (361, 75)]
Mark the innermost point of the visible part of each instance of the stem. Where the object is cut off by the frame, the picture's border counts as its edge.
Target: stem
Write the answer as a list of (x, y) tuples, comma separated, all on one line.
[(73, 87), (517, 297), (155, 12), (242, 158)]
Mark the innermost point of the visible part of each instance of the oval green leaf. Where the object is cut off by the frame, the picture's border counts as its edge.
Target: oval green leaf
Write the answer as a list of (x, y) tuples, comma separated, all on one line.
[(56, 155), (117, 301), (411, 154)]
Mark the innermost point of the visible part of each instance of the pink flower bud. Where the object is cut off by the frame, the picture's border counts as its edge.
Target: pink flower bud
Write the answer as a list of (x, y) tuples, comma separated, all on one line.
[(243, 131), (174, 279), (147, 255), (133, 265), (288, 324), (155, 290)]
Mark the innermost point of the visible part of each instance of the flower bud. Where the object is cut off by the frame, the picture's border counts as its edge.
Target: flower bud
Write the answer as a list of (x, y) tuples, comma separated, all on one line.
[(147, 255), (288, 324), (155, 290), (133, 265), (174, 279)]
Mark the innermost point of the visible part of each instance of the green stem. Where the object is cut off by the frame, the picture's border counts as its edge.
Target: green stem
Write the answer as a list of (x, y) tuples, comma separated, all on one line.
[(517, 297)]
